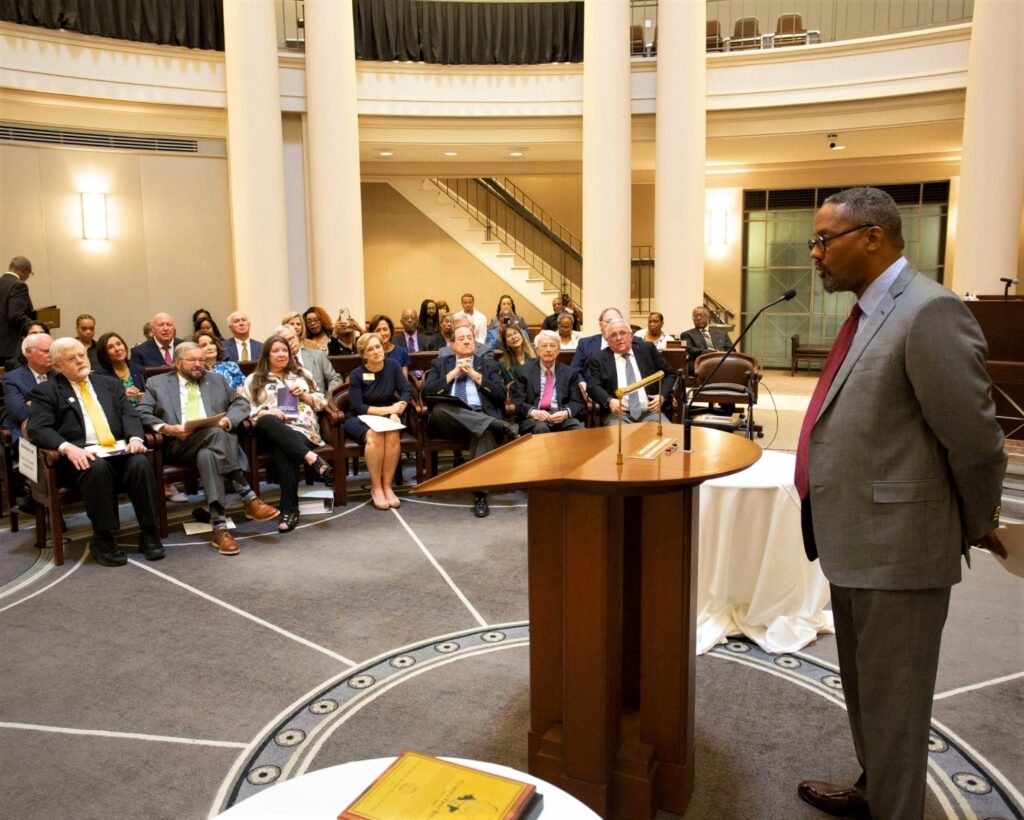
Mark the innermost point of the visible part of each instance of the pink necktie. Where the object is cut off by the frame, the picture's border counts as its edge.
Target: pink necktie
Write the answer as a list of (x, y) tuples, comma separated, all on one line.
[(549, 390), (412, 343), (840, 348), (167, 355)]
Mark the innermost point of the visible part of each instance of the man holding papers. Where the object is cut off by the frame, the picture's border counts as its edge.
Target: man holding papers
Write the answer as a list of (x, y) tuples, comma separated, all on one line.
[(83, 417), (181, 406)]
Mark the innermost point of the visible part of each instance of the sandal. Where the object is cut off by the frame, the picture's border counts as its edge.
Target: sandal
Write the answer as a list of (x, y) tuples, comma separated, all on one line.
[(323, 471), (288, 522)]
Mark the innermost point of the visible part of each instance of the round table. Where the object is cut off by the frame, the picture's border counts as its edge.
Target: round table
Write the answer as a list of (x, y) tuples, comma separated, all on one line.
[(323, 794), (753, 576)]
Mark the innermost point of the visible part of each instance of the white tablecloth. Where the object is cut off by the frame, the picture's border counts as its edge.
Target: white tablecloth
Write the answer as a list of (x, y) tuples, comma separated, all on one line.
[(321, 795), (753, 577)]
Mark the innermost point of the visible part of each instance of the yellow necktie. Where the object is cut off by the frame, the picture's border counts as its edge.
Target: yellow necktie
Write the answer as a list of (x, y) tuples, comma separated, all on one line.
[(192, 401), (245, 351), (99, 421)]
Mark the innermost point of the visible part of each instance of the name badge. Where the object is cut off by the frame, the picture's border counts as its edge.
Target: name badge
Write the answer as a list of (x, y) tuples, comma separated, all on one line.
[(369, 377)]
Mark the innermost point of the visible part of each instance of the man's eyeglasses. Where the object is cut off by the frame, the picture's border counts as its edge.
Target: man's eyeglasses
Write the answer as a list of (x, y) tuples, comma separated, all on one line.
[(821, 241)]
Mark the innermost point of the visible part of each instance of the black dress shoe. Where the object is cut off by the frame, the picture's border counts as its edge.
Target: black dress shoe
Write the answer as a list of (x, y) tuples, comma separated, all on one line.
[(480, 508), (509, 429), (201, 514), (839, 801), (150, 546), (107, 553), (324, 471)]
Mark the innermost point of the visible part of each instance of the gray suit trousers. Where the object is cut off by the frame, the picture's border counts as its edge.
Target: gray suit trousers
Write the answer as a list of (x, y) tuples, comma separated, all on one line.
[(454, 422), (888, 643), (213, 451)]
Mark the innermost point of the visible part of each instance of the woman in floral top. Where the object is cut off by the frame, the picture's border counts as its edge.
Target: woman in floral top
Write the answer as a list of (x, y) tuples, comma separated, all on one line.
[(285, 403)]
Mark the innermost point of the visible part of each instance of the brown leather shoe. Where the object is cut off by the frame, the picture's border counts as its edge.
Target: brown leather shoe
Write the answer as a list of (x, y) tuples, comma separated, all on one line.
[(839, 801), (224, 541), (259, 510)]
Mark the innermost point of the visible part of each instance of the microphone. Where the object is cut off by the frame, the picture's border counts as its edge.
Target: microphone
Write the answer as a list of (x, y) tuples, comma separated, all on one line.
[(687, 423), (1006, 287), (1008, 280)]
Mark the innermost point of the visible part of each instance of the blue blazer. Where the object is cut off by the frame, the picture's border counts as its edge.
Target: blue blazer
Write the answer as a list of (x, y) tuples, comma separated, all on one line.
[(17, 384), (231, 349), (148, 353)]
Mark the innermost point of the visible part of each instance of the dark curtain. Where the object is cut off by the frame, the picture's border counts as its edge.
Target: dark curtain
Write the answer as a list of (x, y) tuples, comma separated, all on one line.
[(192, 23), (460, 33)]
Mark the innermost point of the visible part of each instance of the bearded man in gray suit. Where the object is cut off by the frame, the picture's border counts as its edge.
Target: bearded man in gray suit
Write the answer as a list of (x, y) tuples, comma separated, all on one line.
[(900, 468)]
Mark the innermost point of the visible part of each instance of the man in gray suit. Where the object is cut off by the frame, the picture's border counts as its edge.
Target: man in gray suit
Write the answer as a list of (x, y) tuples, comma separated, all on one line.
[(193, 392), (314, 361), (900, 468)]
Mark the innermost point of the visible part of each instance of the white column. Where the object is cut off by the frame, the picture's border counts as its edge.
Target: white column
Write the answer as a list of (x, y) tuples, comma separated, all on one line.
[(607, 172), (680, 134), (256, 162), (336, 216), (992, 169)]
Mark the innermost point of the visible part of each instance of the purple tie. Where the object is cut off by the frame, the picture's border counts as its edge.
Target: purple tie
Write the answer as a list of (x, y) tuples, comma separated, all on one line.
[(549, 390), (840, 348), (167, 355), (412, 343)]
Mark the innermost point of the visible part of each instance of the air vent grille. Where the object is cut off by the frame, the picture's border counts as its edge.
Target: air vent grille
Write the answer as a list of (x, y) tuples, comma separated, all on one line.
[(98, 139)]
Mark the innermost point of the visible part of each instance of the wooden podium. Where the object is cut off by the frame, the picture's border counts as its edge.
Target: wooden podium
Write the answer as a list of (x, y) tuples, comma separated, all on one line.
[(612, 574)]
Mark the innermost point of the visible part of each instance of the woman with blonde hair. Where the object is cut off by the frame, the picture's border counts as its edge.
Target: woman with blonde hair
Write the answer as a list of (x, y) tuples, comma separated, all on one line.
[(294, 320)]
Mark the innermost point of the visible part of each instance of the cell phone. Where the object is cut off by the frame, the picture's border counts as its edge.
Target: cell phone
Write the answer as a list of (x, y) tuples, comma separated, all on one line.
[(566, 299), (343, 315), (507, 320)]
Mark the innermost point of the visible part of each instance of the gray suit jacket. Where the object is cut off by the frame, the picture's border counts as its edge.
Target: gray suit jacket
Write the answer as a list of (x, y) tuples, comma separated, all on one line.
[(906, 459), (161, 403), (319, 367)]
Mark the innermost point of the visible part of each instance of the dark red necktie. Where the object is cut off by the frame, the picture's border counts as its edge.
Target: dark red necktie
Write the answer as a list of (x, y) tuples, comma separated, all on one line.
[(840, 348)]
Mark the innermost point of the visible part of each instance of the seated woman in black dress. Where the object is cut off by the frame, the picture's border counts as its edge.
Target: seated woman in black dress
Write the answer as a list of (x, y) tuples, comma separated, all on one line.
[(295, 432), (377, 388)]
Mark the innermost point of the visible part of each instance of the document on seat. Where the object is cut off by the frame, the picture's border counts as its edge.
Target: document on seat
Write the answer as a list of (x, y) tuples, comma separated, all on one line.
[(105, 452), (206, 421), (381, 424), (198, 527)]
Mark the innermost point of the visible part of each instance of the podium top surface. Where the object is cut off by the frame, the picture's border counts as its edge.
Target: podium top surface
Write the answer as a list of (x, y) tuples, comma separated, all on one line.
[(584, 460)]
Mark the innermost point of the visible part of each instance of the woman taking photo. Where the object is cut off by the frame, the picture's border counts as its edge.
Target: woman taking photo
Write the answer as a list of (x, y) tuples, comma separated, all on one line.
[(285, 406), (213, 350), (384, 328), (377, 388), (516, 350), (505, 302)]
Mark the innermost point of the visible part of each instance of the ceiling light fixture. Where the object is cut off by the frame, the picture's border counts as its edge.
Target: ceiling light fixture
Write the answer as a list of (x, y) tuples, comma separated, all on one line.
[(833, 143), (518, 152), (385, 154), (451, 153)]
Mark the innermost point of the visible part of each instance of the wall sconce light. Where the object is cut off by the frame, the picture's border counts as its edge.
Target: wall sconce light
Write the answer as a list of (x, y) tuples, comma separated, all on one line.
[(715, 228), (94, 216)]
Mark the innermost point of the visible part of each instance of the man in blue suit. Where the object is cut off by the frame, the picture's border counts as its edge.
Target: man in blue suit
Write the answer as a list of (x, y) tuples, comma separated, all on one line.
[(159, 350), (240, 348), (20, 382)]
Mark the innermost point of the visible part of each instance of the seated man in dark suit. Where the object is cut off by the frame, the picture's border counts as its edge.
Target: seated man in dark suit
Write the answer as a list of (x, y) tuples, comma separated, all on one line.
[(74, 411), (546, 392), (475, 380), (240, 348), (158, 350), (193, 392), (701, 338), (410, 339), (623, 363), (19, 383)]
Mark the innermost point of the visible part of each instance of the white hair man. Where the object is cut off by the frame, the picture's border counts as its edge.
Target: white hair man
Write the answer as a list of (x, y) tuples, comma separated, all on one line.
[(240, 347), (625, 360), (546, 393)]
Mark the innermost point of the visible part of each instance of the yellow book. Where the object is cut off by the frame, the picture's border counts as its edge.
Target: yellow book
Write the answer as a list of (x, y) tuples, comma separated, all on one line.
[(421, 787)]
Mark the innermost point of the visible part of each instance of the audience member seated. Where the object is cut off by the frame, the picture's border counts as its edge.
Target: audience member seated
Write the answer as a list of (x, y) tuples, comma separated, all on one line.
[(410, 338), (621, 363), (701, 338), (192, 392), (567, 337), (240, 347), (346, 333), (74, 411), (429, 319), (559, 305), (448, 325), (294, 320), (85, 332), (112, 352), (147, 330), (313, 361), (467, 399), (319, 329), (289, 426), (442, 307), (589, 346), (31, 326), (158, 350), (475, 317), (384, 328), (655, 333), (506, 304), (546, 393), (202, 319), (19, 383), (377, 388), (516, 351), (213, 353)]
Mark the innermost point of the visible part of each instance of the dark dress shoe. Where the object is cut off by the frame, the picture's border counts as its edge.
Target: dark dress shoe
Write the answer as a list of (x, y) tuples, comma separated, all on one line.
[(289, 520), (839, 801), (509, 430), (324, 471), (201, 514), (107, 553), (150, 546), (480, 508)]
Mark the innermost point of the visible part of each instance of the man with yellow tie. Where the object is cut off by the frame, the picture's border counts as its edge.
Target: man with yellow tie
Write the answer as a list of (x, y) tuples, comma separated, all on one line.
[(79, 415)]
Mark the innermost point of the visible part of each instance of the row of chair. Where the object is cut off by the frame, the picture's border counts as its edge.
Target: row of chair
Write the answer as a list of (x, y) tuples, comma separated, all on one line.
[(746, 34)]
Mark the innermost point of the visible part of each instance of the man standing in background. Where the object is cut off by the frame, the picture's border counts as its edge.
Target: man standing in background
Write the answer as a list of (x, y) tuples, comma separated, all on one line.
[(15, 306)]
